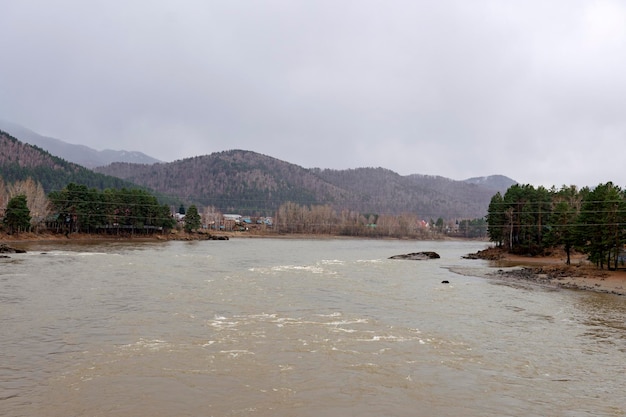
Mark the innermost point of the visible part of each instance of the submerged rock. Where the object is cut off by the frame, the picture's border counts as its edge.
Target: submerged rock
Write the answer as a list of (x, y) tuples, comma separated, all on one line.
[(417, 256), (4, 248)]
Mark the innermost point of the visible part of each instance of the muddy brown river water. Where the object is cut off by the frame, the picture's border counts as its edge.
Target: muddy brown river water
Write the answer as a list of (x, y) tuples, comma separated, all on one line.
[(271, 327)]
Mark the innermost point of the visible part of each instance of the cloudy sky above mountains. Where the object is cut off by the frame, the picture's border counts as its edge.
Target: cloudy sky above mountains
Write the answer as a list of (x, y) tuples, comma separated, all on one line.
[(535, 90)]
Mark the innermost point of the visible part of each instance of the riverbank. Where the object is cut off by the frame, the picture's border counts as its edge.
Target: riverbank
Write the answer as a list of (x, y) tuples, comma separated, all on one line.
[(552, 271), (52, 237), (180, 235)]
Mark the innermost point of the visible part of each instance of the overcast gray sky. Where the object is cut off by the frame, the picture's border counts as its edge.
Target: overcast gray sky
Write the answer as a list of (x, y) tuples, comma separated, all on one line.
[(535, 90)]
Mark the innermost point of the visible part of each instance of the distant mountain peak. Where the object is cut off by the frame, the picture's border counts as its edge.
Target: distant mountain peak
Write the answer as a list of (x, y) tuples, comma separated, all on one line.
[(78, 154), (493, 182)]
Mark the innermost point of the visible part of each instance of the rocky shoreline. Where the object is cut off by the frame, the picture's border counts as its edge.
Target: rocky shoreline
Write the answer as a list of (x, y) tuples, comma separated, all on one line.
[(37, 237), (4, 249), (553, 272)]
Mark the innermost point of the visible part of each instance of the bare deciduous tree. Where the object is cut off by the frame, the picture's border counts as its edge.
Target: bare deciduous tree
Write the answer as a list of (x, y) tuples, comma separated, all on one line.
[(36, 199)]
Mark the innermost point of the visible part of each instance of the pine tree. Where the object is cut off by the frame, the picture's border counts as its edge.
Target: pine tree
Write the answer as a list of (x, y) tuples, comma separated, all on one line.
[(192, 219), (496, 219), (17, 215), (601, 224), (562, 221)]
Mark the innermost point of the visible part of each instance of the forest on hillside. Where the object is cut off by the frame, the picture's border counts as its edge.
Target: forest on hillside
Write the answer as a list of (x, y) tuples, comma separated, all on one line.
[(253, 184), (20, 161)]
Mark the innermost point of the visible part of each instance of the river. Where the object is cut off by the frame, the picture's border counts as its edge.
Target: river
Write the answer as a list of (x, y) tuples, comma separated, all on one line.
[(286, 327)]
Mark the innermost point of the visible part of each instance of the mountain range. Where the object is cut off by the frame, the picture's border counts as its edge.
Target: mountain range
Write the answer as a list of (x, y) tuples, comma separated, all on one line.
[(251, 183)]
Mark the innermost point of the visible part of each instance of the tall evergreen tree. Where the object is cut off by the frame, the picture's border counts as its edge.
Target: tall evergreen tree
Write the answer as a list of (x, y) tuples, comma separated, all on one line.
[(601, 224), (17, 215), (496, 219), (192, 219), (562, 221)]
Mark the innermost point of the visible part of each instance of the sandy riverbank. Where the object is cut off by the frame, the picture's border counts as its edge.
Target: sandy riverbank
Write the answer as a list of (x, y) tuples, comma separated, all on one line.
[(553, 271)]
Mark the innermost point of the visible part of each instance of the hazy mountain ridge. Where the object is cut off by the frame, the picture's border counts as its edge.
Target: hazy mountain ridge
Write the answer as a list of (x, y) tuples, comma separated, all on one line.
[(428, 195), (16, 153), (492, 182), (78, 154), (19, 161)]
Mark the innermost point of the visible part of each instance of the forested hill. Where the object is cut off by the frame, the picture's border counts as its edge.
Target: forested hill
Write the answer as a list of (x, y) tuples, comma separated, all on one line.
[(19, 161), (430, 196), (242, 181), (249, 183)]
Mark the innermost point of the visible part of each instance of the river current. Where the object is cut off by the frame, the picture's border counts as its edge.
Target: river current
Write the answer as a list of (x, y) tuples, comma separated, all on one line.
[(283, 327)]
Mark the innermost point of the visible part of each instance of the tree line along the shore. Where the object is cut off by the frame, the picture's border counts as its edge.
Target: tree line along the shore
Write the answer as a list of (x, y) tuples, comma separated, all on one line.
[(78, 208), (525, 220), (529, 220)]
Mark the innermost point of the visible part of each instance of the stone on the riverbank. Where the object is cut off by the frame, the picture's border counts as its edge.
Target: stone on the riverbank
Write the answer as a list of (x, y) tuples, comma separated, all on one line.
[(4, 248), (417, 256), (489, 254)]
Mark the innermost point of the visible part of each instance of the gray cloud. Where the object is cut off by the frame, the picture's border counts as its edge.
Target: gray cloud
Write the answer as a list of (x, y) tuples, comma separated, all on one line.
[(533, 90)]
